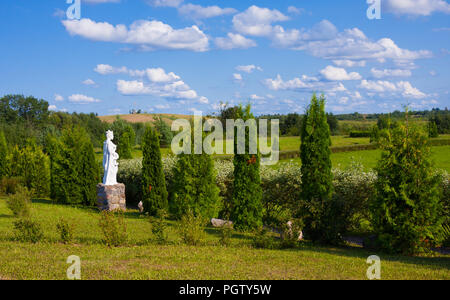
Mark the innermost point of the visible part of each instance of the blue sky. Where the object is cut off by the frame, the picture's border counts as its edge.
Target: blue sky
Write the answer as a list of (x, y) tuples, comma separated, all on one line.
[(175, 56)]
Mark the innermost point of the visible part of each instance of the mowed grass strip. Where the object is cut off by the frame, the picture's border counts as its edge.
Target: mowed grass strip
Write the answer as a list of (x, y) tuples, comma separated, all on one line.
[(143, 259)]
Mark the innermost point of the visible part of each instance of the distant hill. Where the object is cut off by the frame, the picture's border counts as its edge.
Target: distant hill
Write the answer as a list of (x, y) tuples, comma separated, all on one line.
[(144, 118)]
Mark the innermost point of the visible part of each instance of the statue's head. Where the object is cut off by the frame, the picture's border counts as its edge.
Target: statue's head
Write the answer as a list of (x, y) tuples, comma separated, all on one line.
[(110, 135)]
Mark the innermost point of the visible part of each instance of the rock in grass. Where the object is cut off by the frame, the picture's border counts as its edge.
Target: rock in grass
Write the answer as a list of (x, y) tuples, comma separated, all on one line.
[(220, 223)]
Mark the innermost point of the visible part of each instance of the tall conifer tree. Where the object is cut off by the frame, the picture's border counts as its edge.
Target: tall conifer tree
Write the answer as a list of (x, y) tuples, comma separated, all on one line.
[(247, 208), (153, 181), (317, 179)]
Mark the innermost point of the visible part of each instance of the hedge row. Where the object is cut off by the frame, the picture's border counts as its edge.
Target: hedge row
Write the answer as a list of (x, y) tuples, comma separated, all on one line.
[(360, 134), (353, 186)]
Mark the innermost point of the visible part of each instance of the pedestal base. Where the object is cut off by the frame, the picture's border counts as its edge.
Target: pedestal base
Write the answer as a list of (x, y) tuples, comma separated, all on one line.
[(111, 197)]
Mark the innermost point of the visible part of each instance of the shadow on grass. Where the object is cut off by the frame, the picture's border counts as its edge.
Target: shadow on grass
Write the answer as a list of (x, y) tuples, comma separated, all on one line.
[(236, 234), (354, 252)]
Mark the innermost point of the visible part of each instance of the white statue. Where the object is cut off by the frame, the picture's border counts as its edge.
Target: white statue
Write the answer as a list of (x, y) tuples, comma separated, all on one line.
[(110, 158)]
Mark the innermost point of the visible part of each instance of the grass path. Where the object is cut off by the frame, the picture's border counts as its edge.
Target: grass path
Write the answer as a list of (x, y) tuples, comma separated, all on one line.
[(143, 259)]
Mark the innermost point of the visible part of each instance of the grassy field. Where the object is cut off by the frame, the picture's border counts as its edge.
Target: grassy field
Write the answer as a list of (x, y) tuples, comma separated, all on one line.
[(368, 158), (143, 259), (440, 154)]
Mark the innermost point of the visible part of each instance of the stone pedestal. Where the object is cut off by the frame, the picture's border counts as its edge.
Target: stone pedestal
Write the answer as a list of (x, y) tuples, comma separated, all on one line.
[(111, 197)]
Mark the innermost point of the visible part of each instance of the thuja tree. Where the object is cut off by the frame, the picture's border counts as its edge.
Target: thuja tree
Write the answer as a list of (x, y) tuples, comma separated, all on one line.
[(247, 208), (316, 204), (125, 146), (193, 188), (405, 210), (33, 166), (124, 137), (165, 133), (75, 173), (153, 181), (3, 156)]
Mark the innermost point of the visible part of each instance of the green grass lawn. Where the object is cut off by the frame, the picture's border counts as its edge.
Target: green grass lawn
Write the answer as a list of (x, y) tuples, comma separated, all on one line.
[(143, 259), (368, 158), (287, 143)]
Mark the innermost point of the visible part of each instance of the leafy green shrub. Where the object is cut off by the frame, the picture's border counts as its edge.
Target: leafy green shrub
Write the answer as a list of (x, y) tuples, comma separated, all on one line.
[(153, 181), (360, 134), (406, 208), (65, 230), (432, 130), (27, 230), (159, 227), (20, 202), (316, 203), (191, 229), (226, 233), (263, 240), (247, 209), (113, 227), (4, 161), (9, 186)]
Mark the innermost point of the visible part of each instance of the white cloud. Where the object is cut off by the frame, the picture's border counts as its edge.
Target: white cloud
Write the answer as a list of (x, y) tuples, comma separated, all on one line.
[(378, 86), (416, 7), (234, 41), (390, 73), (337, 88), (203, 100), (279, 84), (199, 12), (248, 68), (134, 87), (100, 1), (256, 97), (403, 88), (349, 63), (160, 76), (166, 3), (107, 69), (237, 77), (325, 41), (88, 82), (338, 74), (157, 82), (149, 34), (82, 99), (409, 91), (257, 21), (294, 10), (55, 108), (59, 98)]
